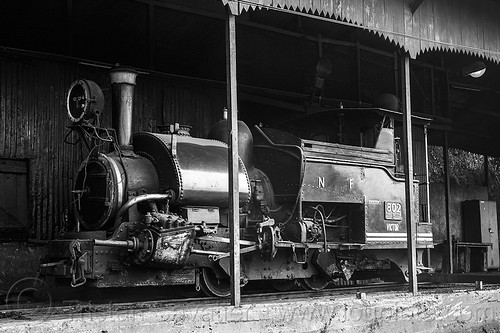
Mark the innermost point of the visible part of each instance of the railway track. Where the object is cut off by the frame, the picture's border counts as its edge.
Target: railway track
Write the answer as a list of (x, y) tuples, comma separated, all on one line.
[(40, 310)]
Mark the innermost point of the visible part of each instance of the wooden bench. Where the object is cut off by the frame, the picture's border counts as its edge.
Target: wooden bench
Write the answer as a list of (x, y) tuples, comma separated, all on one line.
[(462, 255)]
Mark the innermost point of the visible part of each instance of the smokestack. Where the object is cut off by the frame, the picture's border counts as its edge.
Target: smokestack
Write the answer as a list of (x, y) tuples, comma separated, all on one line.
[(122, 98)]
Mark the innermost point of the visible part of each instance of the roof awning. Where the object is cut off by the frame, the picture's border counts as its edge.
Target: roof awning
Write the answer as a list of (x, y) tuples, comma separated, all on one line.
[(464, 26)]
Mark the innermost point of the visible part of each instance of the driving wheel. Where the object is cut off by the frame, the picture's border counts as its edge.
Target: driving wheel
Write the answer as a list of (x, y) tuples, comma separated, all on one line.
[(315, 282), (213, 285)]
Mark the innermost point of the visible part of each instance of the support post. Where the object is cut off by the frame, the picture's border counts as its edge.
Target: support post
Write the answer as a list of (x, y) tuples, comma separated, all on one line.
[(234, 219), (427, 183), (486, 171), (433, 95), (447, 190), (411, 224)]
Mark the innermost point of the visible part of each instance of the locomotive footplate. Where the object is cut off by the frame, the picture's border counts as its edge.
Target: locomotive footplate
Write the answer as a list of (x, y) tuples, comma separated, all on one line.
[(320, 245)]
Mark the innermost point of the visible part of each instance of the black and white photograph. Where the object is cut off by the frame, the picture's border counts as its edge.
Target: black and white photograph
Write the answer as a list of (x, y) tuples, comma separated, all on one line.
[(295, 166)]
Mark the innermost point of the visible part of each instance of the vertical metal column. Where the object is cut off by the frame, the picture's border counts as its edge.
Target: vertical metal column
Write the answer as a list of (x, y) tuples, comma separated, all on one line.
[(427, 183), (234, 219), (447, 190), (411, 224), (486, 171)]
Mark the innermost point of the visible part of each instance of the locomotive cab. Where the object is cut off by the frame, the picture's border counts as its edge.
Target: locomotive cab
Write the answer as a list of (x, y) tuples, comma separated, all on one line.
[(339, 175)]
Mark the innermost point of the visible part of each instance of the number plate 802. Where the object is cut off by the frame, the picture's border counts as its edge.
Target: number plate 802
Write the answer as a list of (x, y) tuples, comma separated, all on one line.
[(393, 210)]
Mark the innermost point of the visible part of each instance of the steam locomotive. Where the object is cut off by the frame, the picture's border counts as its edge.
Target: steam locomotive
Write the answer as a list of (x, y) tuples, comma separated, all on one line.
[(154, 210)]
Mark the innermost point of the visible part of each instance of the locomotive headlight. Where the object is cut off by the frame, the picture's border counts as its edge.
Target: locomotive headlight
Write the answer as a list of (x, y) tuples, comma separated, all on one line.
[(85, 100)]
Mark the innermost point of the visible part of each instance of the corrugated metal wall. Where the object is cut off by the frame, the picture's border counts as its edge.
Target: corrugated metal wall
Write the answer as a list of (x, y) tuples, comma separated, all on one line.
[(33, 124), (32, 118)]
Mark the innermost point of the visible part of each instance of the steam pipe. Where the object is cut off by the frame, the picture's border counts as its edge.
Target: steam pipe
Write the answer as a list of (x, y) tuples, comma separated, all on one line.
[(135, 201), (123, 84), (132, 244)]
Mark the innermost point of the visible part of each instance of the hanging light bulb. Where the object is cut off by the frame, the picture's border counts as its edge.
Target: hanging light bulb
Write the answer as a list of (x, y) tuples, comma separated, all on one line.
[(478, 73), (475, 70)]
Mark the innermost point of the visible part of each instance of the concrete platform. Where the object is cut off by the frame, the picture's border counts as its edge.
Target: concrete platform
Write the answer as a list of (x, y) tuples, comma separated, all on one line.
[(464, 311)]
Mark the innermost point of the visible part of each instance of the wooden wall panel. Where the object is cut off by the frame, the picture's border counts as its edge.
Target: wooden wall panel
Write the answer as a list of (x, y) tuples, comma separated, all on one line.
[(425, 24), (491, 36), (33, 124), (463, 25), (13, 194)]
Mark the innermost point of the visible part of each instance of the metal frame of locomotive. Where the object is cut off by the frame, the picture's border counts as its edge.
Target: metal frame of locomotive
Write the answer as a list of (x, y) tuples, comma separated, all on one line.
[(156, 212)]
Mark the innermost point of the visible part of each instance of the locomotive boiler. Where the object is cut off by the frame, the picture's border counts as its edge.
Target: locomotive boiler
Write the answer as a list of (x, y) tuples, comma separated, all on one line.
[(316, 207)]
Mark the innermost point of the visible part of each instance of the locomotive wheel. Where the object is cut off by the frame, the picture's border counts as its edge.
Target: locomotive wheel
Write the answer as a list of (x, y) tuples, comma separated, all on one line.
[(315, 282), (214, 286)]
